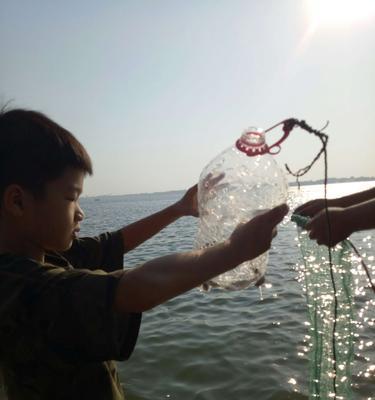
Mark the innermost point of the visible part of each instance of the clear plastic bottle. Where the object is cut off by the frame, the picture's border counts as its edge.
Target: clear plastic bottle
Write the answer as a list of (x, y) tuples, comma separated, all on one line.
[(233, 188)]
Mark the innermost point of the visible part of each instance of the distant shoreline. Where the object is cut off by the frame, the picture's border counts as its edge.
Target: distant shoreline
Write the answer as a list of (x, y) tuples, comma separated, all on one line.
[(333, 180), (293, 183)]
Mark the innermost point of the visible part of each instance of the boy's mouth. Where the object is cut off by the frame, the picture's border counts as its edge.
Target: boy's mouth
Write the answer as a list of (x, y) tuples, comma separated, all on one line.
[(75, 232)]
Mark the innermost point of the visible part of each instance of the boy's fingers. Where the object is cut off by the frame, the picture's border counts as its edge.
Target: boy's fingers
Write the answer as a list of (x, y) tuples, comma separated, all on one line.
[(276, 215), (260, 281)]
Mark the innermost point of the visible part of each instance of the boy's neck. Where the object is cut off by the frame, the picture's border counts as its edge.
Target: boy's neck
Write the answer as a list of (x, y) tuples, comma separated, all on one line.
[(24, 248)]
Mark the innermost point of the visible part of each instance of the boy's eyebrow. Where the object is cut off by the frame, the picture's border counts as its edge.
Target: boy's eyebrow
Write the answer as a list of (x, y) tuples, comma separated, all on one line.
[(75, 188)]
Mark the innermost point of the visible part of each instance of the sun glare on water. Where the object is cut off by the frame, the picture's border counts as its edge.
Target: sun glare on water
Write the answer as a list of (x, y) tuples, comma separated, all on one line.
[(333, 13)]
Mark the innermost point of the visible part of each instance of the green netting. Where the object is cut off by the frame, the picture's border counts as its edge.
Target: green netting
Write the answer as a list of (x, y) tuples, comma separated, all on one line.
[(331, 322)]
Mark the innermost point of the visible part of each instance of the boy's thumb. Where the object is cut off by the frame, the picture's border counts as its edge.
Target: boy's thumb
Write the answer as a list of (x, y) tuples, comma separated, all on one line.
[(277, 214)]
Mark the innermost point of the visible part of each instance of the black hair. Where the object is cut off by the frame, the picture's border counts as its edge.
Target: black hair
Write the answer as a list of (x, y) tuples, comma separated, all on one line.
[(35, 150)]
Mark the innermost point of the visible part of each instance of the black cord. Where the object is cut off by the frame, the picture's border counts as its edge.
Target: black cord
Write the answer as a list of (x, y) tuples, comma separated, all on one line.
[(323, 138), (334, 355)]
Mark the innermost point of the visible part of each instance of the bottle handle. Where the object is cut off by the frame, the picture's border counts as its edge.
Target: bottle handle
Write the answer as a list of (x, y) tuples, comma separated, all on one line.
[(288, 126)]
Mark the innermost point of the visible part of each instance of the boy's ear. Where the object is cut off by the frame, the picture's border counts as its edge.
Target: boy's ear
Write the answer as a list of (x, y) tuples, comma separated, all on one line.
[(15, 199)]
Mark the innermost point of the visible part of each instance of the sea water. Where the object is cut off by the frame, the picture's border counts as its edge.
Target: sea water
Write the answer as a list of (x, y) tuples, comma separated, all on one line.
[(229, 345)]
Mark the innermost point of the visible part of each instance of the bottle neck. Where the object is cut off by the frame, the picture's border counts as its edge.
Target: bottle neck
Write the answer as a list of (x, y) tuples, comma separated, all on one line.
[(252, 142)]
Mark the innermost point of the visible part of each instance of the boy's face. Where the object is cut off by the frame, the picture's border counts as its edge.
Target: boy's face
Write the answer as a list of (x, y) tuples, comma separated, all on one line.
[(54, 219)]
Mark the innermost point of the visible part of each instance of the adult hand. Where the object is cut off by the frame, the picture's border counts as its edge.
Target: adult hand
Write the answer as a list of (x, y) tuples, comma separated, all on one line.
[(188, 205), (251, 239), (340, 226), (312, 207)]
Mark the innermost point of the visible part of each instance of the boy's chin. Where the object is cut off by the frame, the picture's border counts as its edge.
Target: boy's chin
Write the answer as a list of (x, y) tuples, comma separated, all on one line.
[(61, 247), (67, 245)]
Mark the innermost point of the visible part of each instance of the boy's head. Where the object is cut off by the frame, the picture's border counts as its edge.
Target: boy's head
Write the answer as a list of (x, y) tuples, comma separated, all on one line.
[(42, 167)]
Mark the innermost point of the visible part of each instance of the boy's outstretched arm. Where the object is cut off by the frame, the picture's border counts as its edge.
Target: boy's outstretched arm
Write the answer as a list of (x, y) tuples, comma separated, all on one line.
[(142, 230), (163, 278)]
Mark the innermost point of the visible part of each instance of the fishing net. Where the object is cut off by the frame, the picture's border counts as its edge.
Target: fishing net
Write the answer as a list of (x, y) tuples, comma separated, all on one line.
[(329, 294)]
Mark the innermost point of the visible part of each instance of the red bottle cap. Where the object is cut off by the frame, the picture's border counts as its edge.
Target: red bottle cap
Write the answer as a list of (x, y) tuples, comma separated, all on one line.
[(252, 142)]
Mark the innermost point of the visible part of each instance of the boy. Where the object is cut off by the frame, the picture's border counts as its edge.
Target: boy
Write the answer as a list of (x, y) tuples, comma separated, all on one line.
[(67, 307)]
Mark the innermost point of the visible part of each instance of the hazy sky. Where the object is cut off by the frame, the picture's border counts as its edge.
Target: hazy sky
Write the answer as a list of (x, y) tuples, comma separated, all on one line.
[(155, 89)]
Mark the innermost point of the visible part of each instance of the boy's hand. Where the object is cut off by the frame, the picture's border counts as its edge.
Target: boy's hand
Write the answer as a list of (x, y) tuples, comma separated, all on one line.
[(188, 205), (253, 238), (340, 226)]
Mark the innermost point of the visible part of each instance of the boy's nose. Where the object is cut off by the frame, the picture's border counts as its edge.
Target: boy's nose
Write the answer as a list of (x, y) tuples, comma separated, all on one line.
[(79, 213)]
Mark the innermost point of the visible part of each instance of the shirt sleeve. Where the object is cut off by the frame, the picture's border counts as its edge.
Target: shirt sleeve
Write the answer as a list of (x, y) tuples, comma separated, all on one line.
[(72, 311), (105, 251)]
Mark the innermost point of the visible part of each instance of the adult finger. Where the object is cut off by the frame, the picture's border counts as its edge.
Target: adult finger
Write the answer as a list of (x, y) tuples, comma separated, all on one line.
[(302, 207), (312, 223), (310, 211), (308, 225), (312, 234)]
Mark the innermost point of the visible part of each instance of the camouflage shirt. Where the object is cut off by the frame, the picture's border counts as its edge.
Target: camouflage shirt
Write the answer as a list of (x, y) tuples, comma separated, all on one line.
[(57, 327)]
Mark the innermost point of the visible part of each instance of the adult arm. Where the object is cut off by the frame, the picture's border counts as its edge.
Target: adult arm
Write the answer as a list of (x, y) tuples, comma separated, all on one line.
[(142, 230), (163, 278), (312, 207), (343, 221)]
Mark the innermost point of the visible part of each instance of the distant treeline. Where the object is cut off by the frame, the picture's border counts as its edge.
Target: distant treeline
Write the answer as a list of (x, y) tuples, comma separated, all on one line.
[(335, 180), (168, 194)]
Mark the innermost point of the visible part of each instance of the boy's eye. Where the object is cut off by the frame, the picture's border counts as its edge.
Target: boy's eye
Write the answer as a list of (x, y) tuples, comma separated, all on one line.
[(70, 199)]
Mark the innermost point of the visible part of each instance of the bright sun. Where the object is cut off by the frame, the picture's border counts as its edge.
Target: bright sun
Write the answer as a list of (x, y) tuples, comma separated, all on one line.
[(339, 12)]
